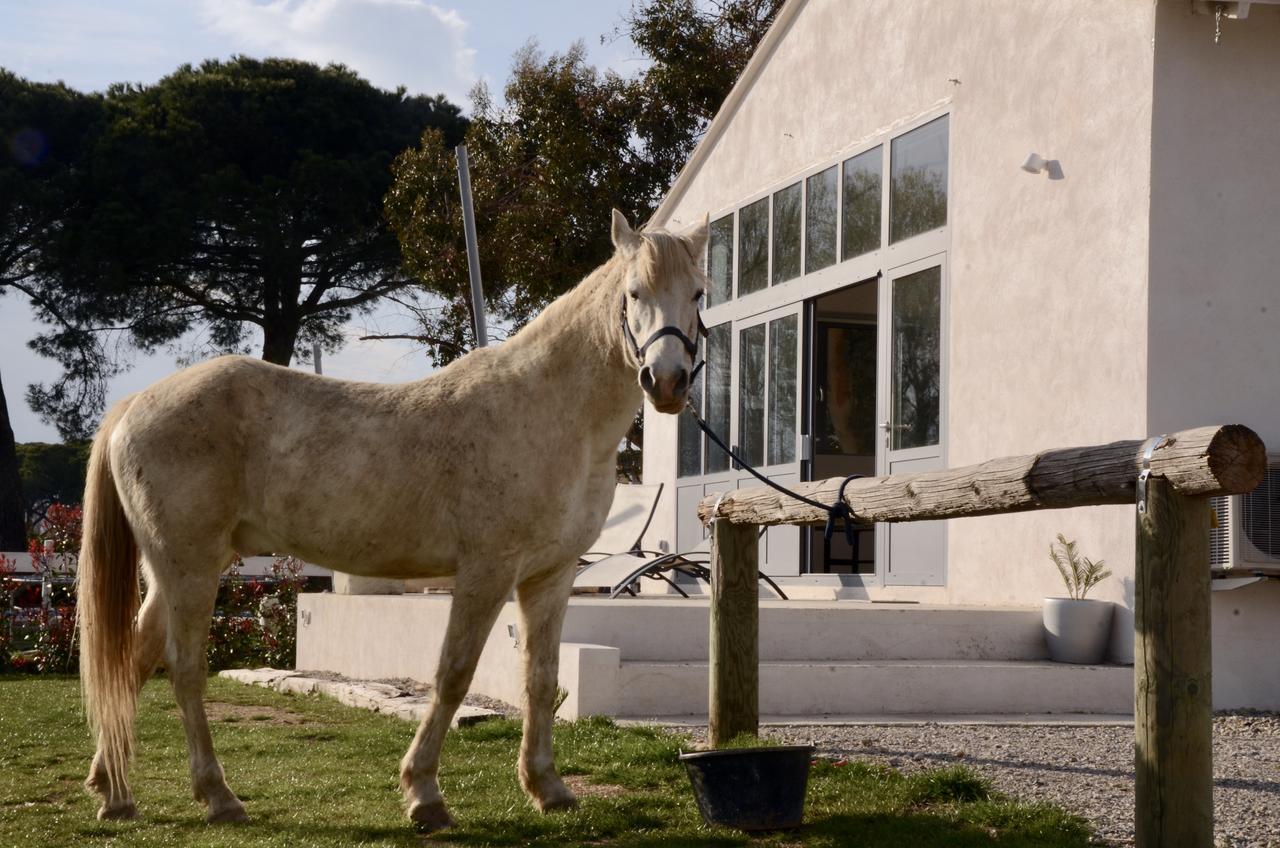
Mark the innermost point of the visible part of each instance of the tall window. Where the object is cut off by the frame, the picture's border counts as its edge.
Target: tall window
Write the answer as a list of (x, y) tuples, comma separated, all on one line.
[(918, 194), (820, 220), (720, 260), (753, 247), (711, 396), (786, 234), (862, 204)]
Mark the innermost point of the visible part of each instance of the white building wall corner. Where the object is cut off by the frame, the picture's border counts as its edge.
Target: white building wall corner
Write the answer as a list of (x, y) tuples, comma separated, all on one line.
[(1214, 301)]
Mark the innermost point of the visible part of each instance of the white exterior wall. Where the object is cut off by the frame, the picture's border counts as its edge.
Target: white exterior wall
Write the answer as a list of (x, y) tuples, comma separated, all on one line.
[(1047, 277), (1214, 311), (1214, 306)]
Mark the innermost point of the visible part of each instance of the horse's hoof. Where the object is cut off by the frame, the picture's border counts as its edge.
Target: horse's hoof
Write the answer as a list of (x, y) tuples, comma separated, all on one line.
[(126, 811), (234, 814), (559, 798), (552, 805), (430, 816)]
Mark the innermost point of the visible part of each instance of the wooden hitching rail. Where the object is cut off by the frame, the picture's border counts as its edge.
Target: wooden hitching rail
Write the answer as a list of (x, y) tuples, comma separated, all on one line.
[(1172, 686)]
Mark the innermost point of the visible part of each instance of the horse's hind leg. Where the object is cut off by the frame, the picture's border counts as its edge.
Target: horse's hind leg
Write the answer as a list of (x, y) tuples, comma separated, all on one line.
[(475, 607), (149, 644), (542, 599), (191, 608)]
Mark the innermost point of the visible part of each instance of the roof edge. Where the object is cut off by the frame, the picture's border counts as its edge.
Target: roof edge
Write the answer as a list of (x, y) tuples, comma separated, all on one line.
[(747, 80)]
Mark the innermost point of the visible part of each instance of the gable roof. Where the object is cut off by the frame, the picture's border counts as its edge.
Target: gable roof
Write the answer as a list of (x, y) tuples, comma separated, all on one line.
[(724, 115)]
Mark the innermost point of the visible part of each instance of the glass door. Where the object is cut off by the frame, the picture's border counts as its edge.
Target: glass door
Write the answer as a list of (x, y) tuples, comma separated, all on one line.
[(913, 414), (767, 369)]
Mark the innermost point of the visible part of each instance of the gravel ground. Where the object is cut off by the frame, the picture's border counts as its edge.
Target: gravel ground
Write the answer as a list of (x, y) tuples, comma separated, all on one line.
[(1085, 769)]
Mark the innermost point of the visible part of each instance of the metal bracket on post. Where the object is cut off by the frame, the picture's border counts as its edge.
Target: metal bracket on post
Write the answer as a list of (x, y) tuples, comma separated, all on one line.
[(1147, 450)]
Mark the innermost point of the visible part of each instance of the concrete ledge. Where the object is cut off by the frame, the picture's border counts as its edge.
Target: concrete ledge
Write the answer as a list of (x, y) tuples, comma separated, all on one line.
[(375, 697), (350, 584)]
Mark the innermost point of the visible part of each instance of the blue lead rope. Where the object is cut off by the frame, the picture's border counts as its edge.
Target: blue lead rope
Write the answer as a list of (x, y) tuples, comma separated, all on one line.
[(837, 512)]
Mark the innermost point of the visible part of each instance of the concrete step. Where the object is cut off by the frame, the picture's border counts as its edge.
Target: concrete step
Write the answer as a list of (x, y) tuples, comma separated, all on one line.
[(663, 630), (650, 689)]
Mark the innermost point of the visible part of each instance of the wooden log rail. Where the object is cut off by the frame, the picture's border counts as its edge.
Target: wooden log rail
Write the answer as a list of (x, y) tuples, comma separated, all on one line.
[(1172, 665)]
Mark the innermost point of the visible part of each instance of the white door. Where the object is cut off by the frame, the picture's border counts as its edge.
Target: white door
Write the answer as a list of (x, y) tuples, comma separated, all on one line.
[(766, 427), (913, 412)]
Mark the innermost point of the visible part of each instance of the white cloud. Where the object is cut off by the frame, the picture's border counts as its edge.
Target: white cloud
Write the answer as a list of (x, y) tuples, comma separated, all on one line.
[(389, 42)]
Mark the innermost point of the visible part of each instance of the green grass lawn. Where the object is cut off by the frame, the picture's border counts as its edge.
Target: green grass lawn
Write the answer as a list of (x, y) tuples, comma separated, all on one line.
[(313, 772)]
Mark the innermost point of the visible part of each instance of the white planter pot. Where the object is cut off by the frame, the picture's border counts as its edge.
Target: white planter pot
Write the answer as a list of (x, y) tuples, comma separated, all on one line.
[(1077, 631)]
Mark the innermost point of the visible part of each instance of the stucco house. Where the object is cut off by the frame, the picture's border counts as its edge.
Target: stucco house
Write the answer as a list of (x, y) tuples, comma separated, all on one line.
[(947, 232), (944, 232)]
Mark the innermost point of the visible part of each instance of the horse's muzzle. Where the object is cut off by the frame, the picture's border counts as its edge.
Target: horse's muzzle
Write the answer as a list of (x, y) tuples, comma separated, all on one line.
[(667, 390)]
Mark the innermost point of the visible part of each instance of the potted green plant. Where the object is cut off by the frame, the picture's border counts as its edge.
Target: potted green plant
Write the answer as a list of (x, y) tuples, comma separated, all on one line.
[(1077, 629)]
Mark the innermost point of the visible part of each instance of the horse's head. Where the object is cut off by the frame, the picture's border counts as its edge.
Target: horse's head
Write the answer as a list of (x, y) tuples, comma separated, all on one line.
[(663, 284)]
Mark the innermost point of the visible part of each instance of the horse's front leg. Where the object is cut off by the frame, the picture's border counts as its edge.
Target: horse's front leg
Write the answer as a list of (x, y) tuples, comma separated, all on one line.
[(542, 599), (475, 607)]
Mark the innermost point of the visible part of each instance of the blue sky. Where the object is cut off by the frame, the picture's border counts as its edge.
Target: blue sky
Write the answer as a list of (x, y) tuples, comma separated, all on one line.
[(428, 48)]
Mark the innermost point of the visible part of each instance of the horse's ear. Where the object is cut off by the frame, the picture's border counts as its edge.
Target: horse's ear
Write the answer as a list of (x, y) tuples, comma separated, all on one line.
[(697, 237), (625, 239)]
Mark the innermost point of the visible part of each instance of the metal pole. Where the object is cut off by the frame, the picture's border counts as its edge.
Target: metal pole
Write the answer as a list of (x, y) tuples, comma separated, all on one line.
[(315, 356), (473, 252)]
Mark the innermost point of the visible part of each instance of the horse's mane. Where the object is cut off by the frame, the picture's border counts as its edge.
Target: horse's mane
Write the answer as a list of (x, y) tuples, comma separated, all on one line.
[(598, 297)]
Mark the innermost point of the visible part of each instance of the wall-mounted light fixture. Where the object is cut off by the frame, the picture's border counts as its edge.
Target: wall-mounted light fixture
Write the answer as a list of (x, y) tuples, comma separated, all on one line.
[(1035, 164)]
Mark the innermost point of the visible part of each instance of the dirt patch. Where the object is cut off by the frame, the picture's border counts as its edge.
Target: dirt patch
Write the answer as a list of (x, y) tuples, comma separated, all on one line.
[(584, 788), (217, 711)]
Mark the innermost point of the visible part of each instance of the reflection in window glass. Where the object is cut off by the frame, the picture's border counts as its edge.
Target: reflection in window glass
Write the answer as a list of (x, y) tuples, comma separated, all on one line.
[(918, 195), (916, 369), (719, 386), (845, 374), (720, 260), (861, 204), (782, 390), (688, 436), (753, 247), (751, 394), (786, 234), (820, 221)]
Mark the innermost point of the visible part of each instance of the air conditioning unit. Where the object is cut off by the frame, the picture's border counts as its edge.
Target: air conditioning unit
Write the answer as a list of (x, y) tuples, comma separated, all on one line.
[(1247, 538)]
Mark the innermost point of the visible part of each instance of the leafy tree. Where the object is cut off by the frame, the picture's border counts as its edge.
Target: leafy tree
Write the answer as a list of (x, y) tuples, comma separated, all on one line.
[(569, 143), (13, 528), (46, 130), (52, 473), (546, 168), (697, 50), (248, 193)]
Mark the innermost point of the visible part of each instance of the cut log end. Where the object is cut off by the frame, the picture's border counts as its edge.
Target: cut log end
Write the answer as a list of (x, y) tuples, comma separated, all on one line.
[(1237, 458)]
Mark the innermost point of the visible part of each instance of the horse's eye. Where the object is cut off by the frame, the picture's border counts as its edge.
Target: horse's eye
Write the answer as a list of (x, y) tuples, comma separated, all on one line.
[(635, 295), (697, 297)]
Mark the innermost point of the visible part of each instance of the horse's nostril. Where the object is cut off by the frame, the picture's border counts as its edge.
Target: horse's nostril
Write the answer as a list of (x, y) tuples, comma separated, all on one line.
[(646, 379), (682, 381)]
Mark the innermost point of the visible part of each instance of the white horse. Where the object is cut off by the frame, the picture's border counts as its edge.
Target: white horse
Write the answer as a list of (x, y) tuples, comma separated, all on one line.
[(498, 469)]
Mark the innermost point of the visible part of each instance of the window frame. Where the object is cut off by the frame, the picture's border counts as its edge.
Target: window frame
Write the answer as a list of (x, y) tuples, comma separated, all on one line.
[(741, 308)]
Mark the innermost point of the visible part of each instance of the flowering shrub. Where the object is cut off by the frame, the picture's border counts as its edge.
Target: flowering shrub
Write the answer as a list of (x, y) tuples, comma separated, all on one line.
[(56, 550), (7, 586), (253, 624)]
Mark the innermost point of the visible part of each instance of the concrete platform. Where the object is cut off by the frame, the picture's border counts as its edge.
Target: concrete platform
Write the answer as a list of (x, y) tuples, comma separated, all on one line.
[(647, 657)]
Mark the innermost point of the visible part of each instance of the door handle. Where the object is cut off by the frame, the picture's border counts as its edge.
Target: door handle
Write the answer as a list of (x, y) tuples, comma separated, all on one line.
[(737, 466)]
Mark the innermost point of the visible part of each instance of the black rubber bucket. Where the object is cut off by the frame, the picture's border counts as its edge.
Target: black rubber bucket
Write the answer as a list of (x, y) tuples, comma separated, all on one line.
[(751, 788)]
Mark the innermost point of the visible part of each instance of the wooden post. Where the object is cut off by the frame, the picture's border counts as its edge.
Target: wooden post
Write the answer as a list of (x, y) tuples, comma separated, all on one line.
[(1172, 661), (734, 699)]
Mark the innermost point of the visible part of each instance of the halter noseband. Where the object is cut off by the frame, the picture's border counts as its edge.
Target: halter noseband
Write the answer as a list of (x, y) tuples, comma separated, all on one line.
[(670, 330)]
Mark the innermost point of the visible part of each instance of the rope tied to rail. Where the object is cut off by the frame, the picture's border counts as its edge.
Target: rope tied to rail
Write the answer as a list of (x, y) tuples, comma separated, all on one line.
[(839, 511)]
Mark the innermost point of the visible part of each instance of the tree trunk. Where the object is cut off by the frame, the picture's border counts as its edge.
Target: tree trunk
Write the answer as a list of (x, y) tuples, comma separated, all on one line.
[(13, 525), (278, 341)]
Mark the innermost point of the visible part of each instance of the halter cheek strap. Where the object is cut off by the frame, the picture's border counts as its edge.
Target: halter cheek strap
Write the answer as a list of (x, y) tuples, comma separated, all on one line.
[(670, 330)]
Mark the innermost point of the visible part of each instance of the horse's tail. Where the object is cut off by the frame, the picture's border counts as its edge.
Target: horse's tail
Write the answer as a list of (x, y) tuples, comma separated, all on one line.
[(106, 608)]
